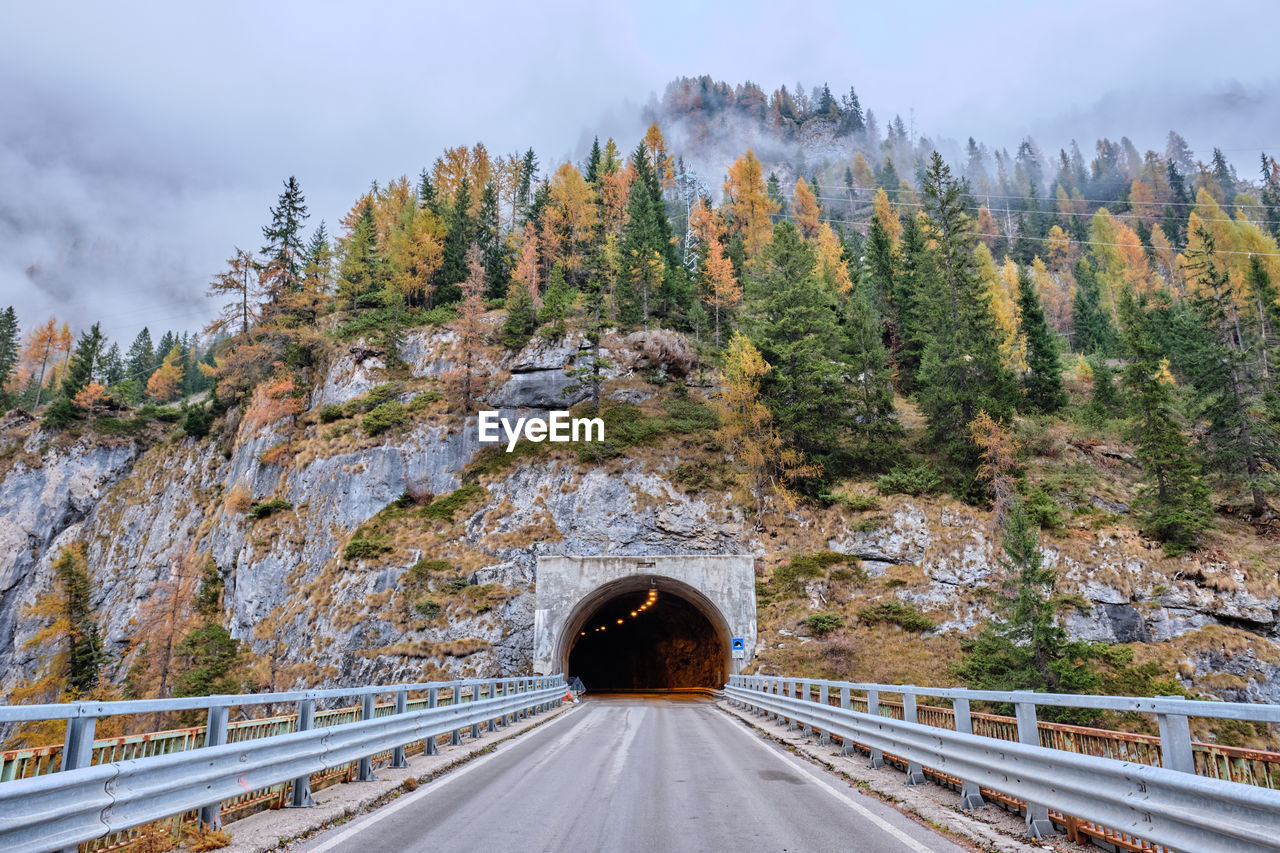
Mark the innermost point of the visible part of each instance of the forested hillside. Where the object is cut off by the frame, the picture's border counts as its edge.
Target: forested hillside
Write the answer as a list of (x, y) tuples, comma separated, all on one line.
[(833, 316)]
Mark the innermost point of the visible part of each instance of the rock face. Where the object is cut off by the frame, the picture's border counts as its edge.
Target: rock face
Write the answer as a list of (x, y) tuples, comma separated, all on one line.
[(291, 594)]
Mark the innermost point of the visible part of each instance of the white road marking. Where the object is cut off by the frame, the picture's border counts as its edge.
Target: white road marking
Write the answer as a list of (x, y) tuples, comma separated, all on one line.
[(634, 717), (361, 824), (910, 842)]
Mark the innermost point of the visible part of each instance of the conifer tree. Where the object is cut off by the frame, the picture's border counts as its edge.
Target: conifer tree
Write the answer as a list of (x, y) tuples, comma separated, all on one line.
[(208, 659), (1228, 380), (317, 269), (461, 233), (875, 435), (914, 278), (111, 369), (80, 370), (85, 655), (520, 322), (791, 318), (592, 170), (360, 273), (283, 253), (1174, 502), (1091, 329), (648, 258), (1043, 381), (556, 305), (1024, 647), (8, 354), (960, 369), (493, 250)]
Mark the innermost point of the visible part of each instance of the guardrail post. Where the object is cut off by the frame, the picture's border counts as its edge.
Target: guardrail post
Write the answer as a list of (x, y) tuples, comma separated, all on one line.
[(521, 687), (970, 792), (506, 691), (433, 701), (302, 785), (367, 711), (398, 761), (792, 725), (77, 750), (1175, 742), (846, 702), (1038, 823), (873, 708), (491, 689), (475, 697), (455, 736), (915, 771), (215, 734), (822, 700)]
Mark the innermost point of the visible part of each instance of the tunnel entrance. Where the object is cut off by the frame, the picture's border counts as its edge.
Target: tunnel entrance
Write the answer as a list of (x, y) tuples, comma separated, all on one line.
[(650, 638)]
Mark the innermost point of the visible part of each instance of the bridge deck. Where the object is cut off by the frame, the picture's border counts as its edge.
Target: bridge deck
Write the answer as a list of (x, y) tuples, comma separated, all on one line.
[(635, 772)]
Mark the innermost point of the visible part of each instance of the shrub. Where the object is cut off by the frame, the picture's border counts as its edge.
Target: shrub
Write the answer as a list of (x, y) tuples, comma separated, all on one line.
[(383, 417), (857, 501), (363, 547), (821, 624), (419, 571), (197, 421), (905, 616), (458, 584), (330, 413), (428, 608), (787, 578), (1042, 509), (266, 508), (445, 508), (914, 480)]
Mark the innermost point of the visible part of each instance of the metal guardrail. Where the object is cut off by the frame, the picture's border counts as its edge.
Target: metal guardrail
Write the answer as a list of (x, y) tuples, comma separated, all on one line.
[(84, 801), (1164, 805)]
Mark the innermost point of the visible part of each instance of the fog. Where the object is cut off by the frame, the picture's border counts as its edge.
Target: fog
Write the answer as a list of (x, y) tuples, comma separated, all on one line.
[(140, 146)]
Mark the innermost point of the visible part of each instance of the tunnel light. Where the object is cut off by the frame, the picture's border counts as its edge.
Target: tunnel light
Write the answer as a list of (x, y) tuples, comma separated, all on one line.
[(633, 612), (619, 621)]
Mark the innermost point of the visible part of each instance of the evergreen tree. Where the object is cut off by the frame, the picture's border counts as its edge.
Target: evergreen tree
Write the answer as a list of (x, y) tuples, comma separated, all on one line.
[(209, 659), (360, 273), (960, 369), (916, 278), (1025, 648), (1091, 328), (493, 251), (874, 434), (851, 118), (1229, 382), (317, 270), (773, 190), (1174, 220), (1174, 502), (85, 655), (792, 319), (80, 369), (592, 171), (167, 342), (141, 359), (1271, 194), (427, 192), (8, 354), (648, 257), (1043, 381), (283, 251), (1225, 175), (111, 369), (520, 323), (457, 242), (556, 305), (528, 177)]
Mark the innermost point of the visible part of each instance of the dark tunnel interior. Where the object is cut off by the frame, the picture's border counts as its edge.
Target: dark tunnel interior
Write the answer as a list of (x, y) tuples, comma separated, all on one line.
[(647, 640)]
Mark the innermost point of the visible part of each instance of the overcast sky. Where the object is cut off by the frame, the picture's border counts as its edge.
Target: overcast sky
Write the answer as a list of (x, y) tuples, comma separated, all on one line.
[(141, 142)]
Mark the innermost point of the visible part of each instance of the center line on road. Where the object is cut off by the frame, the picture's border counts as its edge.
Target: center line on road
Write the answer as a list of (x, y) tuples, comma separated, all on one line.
[(910, 842), (369, 820)]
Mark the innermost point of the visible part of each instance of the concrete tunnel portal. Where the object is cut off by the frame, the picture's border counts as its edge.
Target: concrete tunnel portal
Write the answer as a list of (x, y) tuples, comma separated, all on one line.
[(644, 623)]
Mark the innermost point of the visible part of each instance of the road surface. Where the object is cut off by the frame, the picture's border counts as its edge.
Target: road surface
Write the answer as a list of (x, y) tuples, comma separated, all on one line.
[(635, 773)]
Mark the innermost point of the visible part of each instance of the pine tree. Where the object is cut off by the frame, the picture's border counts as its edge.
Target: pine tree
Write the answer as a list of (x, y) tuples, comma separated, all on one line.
[(85, 655), (283, 253), (460, 234), (1228, 381), (648, 257), (915, 277), (1174, 502), (1024, 647), (792, 319), (8, 354), (208, 659), (493, 250), (528, 177), (874, 433), (317, 269), (1271, 194), (1043, 381), (111, 369), (80, 370), (1091, 329), (556, 305), (360, 273), (140, 360), (592, 170), (960, 369), (520, 322)]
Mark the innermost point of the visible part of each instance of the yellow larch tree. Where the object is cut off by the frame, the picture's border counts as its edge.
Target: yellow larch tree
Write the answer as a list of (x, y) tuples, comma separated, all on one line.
[(829, 264), (762, 462), (166, 383), (886, 213), (804, 204), (572, 214), (1057, 290), (1002, 284), (660, 160), (748, 204)]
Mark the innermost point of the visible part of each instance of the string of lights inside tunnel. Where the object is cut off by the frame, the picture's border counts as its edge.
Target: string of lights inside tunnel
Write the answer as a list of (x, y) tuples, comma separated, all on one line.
[(653, 599)]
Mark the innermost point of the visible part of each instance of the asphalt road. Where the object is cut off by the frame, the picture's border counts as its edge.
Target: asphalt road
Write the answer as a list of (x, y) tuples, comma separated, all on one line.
[(635, 773)]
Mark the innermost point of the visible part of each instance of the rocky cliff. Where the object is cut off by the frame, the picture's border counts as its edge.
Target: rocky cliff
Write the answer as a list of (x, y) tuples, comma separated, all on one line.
[(377, 564)]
